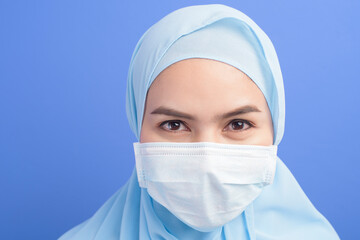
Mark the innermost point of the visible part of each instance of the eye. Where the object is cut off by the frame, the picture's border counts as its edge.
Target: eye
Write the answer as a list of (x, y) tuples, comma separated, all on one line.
[(238, 125), (174, 125)]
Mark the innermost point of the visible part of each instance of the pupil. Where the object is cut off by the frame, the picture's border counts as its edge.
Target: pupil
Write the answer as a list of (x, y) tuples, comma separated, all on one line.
[(238, 125), (174, 125)]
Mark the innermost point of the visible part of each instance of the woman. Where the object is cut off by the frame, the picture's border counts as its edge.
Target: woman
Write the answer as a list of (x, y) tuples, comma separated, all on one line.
[(205, 99)]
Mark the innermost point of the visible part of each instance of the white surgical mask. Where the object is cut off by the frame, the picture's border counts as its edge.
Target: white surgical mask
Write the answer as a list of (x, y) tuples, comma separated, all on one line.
[(204, 184)]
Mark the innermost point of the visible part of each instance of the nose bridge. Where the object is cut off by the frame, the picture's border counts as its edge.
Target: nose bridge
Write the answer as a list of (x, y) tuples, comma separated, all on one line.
[(206, 133)]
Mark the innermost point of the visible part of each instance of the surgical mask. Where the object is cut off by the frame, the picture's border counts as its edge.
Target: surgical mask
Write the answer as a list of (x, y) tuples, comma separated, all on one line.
[(204, 184)]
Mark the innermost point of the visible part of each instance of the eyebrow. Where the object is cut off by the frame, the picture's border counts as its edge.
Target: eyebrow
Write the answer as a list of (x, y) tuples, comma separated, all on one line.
[(174, 113)]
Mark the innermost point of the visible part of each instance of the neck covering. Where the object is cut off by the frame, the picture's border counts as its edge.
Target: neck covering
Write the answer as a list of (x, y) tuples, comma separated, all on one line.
[(282, 211)]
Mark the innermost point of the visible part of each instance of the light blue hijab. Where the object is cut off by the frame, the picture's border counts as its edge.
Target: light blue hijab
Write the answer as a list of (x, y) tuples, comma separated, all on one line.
[(221, 33)]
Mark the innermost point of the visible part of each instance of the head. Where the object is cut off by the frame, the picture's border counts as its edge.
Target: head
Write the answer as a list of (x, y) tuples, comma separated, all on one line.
[(210, 77), (203, 100)]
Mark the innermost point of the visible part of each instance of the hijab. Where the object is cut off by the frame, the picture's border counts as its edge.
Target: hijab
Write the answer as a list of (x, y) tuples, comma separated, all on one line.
[(217, 32)]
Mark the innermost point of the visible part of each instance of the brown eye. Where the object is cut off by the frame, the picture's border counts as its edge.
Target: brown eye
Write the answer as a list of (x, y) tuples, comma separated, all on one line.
[(173, 126), (239, 125)]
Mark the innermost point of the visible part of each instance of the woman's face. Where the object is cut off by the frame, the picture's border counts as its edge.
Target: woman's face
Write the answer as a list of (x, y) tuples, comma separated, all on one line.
[(202, 100)]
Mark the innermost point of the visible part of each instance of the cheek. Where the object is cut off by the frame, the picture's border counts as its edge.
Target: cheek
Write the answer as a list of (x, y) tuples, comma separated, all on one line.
[(149, 131), (258, 136), (262, 133), (266, 135), (270, 129), (265, 138), (146, 134)]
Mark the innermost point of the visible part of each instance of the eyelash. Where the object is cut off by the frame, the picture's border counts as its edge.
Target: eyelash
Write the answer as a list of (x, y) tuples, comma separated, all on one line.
[(169, 121), (181, 122), (250, 125)]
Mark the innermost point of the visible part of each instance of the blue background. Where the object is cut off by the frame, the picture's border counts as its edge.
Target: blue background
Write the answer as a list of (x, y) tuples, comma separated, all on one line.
[(65, 144)]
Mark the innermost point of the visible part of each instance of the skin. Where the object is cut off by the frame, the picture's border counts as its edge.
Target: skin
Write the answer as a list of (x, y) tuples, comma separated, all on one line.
[(191, 101)]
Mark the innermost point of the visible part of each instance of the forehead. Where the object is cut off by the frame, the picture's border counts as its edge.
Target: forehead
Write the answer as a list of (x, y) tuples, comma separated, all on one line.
[(195, 85)]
